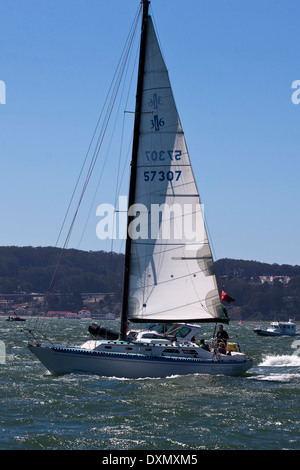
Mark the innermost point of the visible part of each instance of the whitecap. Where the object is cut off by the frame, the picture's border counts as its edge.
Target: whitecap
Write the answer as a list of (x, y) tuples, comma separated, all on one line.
[(275, 377), (280, 361)]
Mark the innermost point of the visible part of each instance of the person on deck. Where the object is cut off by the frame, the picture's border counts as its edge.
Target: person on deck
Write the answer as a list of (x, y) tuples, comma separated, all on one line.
[(203, 345), (222, 348), (222, 335)]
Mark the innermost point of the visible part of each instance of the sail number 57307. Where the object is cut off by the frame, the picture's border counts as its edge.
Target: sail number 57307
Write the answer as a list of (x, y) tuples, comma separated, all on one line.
[(162, 155), (162, 175)]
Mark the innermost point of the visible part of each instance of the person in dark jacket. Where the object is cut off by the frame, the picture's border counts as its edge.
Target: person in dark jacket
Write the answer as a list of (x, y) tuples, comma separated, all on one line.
[(222, 335)]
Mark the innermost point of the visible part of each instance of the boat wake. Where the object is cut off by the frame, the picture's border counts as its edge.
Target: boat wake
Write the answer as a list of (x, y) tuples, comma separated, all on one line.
[(280, 361), (288, 368)]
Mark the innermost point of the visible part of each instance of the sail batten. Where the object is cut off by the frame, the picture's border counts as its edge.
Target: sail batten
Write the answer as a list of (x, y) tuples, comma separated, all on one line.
[(171, 274)]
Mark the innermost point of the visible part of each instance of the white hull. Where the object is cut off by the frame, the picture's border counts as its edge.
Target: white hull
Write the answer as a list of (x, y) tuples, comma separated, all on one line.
[(279, 329), (64, 360), (260, 332)]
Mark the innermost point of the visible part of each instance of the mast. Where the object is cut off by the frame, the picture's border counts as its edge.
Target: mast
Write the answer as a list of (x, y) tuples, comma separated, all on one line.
[(132, 185)]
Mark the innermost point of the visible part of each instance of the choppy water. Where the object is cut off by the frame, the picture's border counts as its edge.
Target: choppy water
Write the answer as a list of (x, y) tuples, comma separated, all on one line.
[(255, 412)]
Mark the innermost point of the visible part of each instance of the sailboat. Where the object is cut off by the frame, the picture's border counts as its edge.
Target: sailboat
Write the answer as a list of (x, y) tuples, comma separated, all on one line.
[(169, 281)]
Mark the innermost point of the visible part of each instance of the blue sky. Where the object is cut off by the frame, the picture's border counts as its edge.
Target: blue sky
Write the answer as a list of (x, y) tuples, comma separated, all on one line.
[(231, 65)]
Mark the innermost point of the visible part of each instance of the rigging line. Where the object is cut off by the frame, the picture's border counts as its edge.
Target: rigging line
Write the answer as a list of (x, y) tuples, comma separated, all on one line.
[(104, 127), (156, 31), (210, 238), (81, 171), (125, 164), (120, 154), (119, 73), (107, 154), (96, 190), (120, 178), (117, 180), (97, 125)]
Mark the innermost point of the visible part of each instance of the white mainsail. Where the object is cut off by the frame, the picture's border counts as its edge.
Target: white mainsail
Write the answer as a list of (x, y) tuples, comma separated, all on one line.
[(171, 266)]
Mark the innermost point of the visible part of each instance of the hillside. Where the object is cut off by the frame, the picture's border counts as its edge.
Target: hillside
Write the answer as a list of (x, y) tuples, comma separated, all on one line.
[(261, 291)]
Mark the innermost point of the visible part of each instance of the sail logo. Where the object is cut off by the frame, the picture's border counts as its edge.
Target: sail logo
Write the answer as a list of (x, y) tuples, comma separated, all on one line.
[(157, 122), (162, 221), (296, 94), (154, 101), (2, 92)]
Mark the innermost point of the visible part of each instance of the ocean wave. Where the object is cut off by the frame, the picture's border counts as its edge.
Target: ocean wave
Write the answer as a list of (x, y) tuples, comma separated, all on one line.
[(276, 377)]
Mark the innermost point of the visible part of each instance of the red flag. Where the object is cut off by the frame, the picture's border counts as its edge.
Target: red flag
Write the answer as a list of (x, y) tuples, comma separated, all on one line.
[(226, 297)]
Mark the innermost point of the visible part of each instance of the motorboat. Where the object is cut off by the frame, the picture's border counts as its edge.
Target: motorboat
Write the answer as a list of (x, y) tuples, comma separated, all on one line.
[(278, 328)]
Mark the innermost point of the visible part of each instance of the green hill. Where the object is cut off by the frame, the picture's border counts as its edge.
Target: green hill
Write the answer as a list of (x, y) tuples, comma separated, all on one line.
[(261, 291)]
